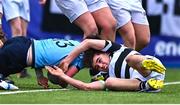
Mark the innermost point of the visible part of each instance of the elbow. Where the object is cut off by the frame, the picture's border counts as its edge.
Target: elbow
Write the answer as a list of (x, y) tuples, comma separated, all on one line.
[(86, 43)]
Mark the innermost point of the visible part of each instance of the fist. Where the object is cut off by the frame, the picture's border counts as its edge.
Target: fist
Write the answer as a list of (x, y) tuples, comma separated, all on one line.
[(43, 82)]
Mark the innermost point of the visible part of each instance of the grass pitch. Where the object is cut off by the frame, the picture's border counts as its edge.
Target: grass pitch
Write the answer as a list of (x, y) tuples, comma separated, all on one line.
[(31, 93)]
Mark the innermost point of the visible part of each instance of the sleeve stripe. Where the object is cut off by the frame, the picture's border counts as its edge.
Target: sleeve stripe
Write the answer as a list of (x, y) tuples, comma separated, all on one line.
[(107, 45)]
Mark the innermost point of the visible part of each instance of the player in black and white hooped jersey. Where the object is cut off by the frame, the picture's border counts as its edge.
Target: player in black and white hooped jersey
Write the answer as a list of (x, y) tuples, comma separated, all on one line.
[(127, 68)]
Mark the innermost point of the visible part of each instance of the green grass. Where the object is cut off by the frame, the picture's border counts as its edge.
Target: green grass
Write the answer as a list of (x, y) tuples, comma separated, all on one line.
[(169, 95)]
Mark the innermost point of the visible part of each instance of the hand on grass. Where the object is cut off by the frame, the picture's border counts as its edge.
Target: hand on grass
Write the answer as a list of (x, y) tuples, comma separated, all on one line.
[(55, 70), (43, 81), (64, 65)]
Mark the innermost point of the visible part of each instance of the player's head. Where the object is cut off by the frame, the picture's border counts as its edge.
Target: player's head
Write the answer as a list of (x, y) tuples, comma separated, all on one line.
[(89, 62), (100, 61), (97, 60)]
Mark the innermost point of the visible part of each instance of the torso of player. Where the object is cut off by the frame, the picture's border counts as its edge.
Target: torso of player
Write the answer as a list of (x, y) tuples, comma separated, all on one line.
[(52, 51)]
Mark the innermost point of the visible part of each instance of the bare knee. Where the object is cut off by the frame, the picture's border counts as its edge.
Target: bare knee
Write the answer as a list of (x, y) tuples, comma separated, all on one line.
[(130, 59), (128, 37), (90, 30), (134, 61), (109, 26), (16, 31), (140, 44), (142, 36), (108, 30)]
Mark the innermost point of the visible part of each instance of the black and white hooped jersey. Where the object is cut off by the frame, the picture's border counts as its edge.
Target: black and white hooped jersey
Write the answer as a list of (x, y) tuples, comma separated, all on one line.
[(118, 66)]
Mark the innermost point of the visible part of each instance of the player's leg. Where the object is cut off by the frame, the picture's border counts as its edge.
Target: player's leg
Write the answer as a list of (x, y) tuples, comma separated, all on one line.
[(153, 82), (24, 25), (41, 79), (56, 80), (106, 22), (25, 17), (87, 23), (12, 14), (142, 33), (119, 84), (145, 64), (154, 64), (128, 35), (78, 13), (141, 25), (16, 26), (123, 16), (152, 85), (7, 84)]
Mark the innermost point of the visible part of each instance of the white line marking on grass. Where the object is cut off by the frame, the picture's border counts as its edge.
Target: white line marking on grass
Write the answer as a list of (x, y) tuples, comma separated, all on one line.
[(46, 90), (172, 83), (28, 91)]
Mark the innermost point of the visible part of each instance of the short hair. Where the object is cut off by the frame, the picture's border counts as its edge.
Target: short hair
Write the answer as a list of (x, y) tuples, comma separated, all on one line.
[(88, 57), (89, 54)]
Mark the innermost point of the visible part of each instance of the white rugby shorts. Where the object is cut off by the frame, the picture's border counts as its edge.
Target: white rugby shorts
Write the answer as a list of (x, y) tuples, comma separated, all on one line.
[(72, 9), (1, 8), (16, 8), (126, 10)]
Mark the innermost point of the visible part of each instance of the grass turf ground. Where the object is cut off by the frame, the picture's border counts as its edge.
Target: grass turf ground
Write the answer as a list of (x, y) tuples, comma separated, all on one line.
[(169, 95)]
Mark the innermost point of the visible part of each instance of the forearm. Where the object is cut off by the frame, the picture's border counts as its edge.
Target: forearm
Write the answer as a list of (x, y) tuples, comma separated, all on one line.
[(81, 85), (76, 83), (71, 72), (85, 45), (41, 80)]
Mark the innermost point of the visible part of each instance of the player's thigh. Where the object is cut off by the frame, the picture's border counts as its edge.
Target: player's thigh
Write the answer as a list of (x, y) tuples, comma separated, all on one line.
[(101, 12), (128, 35), (140, 22), (86, 22), (121, 11), (72, 9), (104, 18)]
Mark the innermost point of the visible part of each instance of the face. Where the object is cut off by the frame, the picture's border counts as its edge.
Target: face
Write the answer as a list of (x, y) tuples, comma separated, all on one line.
[(101, 62)]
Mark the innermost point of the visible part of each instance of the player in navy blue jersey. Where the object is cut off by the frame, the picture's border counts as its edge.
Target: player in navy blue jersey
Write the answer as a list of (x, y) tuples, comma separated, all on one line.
[(20, 52), (17, 13), (127, 69)]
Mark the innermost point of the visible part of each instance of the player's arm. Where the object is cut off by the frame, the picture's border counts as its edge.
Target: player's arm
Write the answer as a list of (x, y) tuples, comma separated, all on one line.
[(71, 72), (84, 45), (41, 80), (97, 85)]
